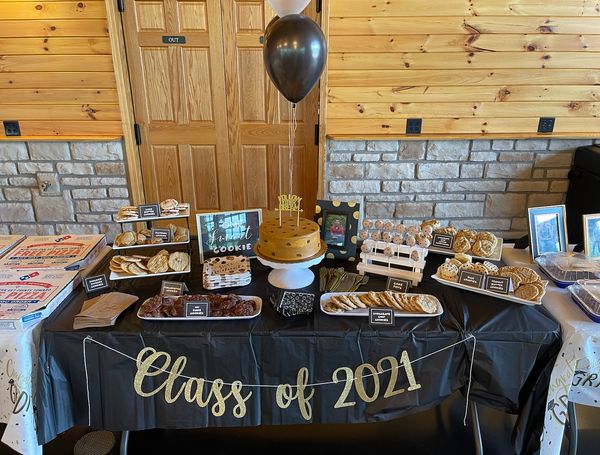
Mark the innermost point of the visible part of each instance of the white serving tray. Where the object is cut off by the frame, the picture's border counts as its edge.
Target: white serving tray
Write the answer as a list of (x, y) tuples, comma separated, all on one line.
[(114, 276), (256, 299), (364, 312), (496, 256), (150, 245), (509, 297), (185, 214)]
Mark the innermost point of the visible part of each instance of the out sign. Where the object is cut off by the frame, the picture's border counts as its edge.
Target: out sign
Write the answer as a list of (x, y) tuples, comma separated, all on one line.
[(173, 39)]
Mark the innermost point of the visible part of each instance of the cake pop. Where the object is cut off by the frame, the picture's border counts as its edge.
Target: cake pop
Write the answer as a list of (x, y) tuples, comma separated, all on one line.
[(412, 230), (378, 224), (388, 227), (365, 248), (387, 237), (410, 240), (376, 236), (389, 252), (367, 224), (400, 228), (428, 230), (398, 239), (363, 235), (424, 242), (415, 256)]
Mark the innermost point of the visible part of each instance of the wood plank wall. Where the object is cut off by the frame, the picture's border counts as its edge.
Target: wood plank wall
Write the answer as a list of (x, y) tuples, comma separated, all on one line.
[(468, 68), (56, 70)]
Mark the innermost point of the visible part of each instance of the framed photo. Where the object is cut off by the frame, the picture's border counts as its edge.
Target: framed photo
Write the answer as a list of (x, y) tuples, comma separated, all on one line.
[(591, 235), (547, 230), (228, 233), (339, 225)]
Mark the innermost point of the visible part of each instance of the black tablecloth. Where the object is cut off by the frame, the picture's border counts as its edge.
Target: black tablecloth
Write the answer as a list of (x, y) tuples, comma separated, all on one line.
[(515, 351)]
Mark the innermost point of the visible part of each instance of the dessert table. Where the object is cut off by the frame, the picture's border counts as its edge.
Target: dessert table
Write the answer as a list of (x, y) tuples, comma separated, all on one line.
[(293, 370), (576, 375)]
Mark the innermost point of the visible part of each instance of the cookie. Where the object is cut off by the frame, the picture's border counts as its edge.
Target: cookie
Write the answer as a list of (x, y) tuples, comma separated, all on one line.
[(141, 239), (492, 268), (479, 268), (448, 271), (463, 258), (158, 264), (448, 230), (461, 244), (435, 224), (179, 261), (483, 248), (527, 275), (528, 292), (470, 234), (169, 205)]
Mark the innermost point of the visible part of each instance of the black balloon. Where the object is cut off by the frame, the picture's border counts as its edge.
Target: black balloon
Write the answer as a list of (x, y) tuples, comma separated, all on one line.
[(268, 28), (294, 53)]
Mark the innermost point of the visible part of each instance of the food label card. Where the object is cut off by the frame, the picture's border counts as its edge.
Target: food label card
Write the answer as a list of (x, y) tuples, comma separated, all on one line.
[(95, 283), (397, 285), (196, 309), (444, 241), (162, 233), (499, 284), (172, 288), (149, 210), (472, 279), (381, 316)]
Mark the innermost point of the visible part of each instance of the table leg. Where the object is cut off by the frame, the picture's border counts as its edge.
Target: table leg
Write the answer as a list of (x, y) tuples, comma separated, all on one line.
[(124, 442), (476, 428), (572, 428)]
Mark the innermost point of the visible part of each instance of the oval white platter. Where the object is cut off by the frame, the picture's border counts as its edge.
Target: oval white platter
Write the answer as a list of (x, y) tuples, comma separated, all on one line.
[(364, 312), (509, 297), (185, 214), (496, 256), (257, 301)]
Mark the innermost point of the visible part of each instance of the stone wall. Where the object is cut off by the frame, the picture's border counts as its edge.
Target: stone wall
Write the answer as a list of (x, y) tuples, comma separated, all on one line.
[(481, 184), (59, 187)]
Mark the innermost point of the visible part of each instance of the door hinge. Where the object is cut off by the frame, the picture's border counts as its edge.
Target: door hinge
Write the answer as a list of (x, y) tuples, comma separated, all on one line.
[(317, 134), (138, 134), (121, 5), (319, 5)]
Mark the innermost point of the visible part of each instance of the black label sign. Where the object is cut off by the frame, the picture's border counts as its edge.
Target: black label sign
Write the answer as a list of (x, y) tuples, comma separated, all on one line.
[(397, 285), (381, 316), (162, 233), (472, 279), (167, 39), (444, 241), (149, 210), (95, 283), (499, 284), (172, 288), (196, 309)]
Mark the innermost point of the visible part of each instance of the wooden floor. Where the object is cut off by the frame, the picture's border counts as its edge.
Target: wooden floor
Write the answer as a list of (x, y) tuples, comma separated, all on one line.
[(432, 432)]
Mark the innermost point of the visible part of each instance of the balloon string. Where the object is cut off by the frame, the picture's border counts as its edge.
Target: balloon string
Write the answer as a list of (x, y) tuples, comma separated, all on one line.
[(291, 142)]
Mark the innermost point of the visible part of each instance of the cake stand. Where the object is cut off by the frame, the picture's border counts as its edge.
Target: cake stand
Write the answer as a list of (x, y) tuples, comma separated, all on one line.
[(292, 275)]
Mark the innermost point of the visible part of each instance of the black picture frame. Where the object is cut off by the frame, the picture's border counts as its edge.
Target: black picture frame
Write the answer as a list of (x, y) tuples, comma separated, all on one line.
[(339, 227)]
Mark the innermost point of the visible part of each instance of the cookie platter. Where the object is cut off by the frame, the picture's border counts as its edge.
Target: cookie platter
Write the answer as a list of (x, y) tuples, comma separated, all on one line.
[(326, 301), (149, 245), (167, 314), (169, 209), (508, 297), (495, 256), (161, 264)]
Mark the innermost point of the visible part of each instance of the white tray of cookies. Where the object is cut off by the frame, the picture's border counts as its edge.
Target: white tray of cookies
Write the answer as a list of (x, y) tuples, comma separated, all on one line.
[(184, 214), (256, 303), (495, 256), (511, 297), (358, 303), (170, 209), (149, 245), (161, 264)]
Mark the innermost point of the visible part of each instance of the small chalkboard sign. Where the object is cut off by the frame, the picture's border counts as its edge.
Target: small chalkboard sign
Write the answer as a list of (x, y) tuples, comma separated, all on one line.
[(498, 284), (472, 279), (172, 288), (444, 241), (381, 316), (95, 283), (170, 39), (162, 233), (397, 285), (149, 210), (196, 309)]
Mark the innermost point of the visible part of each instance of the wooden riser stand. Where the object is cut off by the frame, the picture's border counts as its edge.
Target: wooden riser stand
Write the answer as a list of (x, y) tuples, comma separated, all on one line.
[(401, 265)]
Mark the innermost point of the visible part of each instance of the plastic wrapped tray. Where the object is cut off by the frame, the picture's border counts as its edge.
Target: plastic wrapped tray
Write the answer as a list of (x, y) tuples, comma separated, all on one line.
[(566, 268), (586, 293)]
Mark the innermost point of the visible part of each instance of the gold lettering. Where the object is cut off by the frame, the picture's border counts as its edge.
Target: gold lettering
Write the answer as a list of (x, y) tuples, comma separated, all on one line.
[(191, 396), (239, 410), (176, 370), (143, 370)]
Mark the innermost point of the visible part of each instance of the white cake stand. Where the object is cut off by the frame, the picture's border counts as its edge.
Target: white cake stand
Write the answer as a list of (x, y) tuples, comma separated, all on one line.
[(292, 275)]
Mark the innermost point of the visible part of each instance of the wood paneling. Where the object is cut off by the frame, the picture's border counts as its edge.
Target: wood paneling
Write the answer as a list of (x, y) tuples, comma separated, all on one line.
[(468, 68), (56, 69)]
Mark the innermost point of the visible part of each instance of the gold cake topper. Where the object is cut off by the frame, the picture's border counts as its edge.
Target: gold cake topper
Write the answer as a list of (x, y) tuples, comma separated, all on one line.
[(289, 203)]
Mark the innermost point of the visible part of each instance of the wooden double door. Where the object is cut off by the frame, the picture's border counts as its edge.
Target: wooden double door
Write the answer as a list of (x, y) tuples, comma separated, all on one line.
[(214, 130)]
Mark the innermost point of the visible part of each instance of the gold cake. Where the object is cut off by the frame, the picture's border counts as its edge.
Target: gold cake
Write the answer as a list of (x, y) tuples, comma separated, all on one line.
[(288, 242)]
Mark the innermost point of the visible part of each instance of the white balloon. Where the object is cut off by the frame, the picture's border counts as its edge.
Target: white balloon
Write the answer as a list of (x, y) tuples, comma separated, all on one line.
[(285, 7)]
